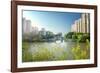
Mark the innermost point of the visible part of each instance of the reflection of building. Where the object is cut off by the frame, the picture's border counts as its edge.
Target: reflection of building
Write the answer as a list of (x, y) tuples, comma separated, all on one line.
[(26, 26), (82, 24)]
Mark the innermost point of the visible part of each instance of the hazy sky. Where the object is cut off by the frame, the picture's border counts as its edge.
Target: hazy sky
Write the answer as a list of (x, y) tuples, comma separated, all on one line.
[(52, 21)]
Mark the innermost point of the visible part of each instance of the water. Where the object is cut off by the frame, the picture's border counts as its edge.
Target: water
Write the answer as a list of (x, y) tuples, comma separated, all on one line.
[(58, 49)]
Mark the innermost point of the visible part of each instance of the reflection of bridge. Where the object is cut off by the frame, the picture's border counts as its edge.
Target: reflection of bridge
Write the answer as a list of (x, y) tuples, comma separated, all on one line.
[(60, 38)]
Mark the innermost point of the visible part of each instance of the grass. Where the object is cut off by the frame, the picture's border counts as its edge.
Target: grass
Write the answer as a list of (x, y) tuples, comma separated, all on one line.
[(26, 56), (43, 53)]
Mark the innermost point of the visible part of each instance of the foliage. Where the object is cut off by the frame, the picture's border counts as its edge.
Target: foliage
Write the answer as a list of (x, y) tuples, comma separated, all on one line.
[(26, 56), (25, 45), (80, 53), (81, 37), (69, 35)]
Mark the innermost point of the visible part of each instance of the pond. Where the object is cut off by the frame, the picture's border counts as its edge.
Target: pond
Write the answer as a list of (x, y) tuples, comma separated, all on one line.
[(53, 51)]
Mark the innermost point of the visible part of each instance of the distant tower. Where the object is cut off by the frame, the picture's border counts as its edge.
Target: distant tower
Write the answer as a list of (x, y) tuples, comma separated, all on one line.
[(26, 26), (23, 25), (86, 23), (35, 30), (82, 24)]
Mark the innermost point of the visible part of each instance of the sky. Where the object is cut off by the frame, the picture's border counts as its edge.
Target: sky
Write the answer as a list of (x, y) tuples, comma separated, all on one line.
[(53, 21)]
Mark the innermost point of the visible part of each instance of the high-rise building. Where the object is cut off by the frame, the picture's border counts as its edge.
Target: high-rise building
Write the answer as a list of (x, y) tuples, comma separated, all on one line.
[(86, 22), (77, 26), (23, 25), (26, 26), (35, 30), (82, 24), (73, 28)]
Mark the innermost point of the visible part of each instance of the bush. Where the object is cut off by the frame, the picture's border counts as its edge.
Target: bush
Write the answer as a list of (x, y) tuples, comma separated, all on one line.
[(69, 35), (81, 37)]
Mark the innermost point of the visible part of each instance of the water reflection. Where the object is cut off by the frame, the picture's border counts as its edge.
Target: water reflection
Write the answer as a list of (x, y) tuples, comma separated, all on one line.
[(64, 47)]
